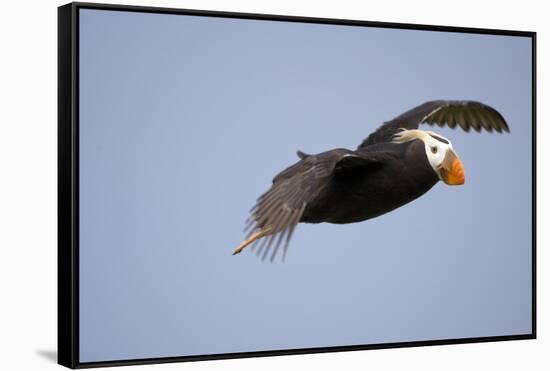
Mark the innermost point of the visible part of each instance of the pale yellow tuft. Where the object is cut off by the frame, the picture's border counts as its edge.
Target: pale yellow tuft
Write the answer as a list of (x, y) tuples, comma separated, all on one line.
[(407, 135)]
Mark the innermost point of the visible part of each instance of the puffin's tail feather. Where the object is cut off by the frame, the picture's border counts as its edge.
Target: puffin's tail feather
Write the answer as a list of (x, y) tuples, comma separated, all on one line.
[(256, 235)]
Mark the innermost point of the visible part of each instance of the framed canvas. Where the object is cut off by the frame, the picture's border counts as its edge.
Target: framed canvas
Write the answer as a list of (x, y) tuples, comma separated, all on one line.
[(384, 175)]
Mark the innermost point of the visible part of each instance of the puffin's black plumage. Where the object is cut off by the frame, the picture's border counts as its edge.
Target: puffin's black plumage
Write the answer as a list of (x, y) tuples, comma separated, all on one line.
[(345, 186)]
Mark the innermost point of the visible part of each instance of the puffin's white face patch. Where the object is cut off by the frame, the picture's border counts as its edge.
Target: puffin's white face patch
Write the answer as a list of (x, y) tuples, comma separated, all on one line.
[(436, 145), (436, 149)]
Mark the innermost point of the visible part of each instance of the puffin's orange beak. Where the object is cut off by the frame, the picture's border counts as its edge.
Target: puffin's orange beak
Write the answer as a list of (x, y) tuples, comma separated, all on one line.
[(451, 170)]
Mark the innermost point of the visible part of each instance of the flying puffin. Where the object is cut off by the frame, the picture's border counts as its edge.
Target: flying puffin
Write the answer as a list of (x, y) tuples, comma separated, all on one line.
[(393, 166)]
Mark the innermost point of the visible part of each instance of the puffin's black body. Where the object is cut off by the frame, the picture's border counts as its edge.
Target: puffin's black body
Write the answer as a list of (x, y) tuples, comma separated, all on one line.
[(345, 186), (398, 174)]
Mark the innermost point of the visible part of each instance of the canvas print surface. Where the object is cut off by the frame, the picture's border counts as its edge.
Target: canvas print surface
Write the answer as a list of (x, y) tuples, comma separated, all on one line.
[(416, 232)]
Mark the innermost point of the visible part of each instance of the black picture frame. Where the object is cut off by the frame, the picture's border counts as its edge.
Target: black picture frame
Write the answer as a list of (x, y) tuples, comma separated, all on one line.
[(68, 183)]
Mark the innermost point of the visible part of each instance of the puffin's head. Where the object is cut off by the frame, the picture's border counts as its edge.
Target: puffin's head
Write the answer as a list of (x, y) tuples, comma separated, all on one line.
[(440, 153)]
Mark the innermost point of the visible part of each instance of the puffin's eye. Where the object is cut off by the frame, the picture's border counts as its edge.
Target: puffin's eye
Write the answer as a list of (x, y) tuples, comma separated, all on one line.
[(434, 150)]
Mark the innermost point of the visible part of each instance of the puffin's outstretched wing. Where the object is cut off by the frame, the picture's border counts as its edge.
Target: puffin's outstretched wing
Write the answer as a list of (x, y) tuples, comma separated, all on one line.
[(279, 210), (466, 114), (302, 155)]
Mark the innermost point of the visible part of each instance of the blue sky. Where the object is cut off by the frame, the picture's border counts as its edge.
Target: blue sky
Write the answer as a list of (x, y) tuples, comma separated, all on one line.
[(185, 120)]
